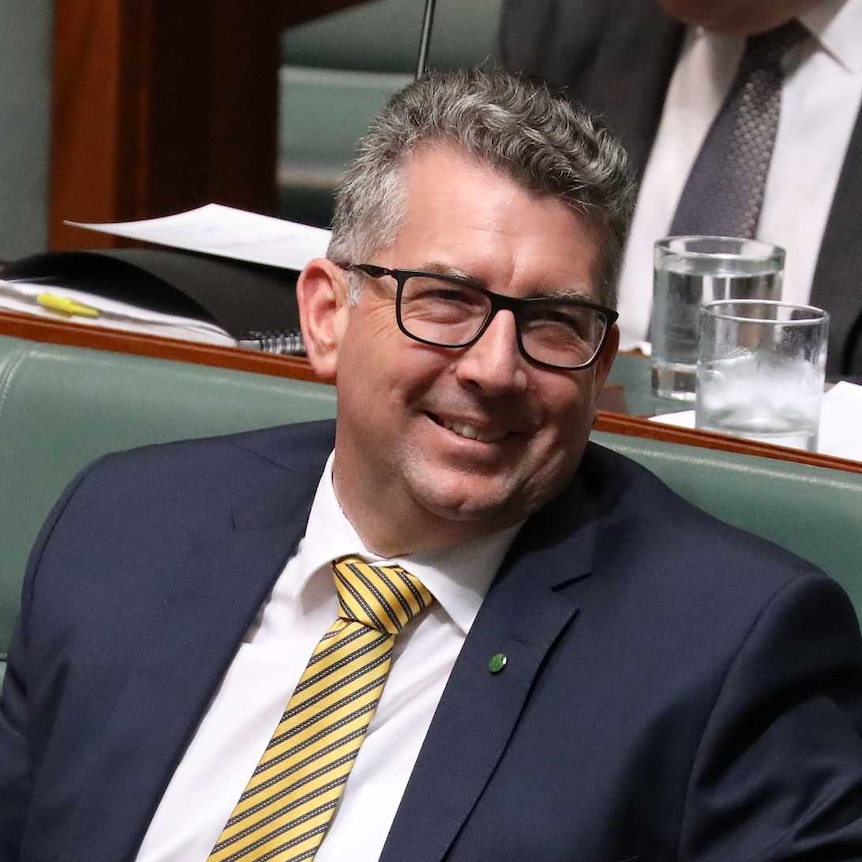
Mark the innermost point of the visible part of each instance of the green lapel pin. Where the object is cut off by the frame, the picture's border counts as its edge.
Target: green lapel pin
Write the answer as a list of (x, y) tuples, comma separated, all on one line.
[(497, 662)]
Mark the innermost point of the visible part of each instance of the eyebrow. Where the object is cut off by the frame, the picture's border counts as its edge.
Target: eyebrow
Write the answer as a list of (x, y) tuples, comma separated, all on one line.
[(579, 292), (434, 268), (573, 293)]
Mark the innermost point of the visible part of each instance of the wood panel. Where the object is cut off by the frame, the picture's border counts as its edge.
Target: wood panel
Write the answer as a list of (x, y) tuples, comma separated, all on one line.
[(159, 106)]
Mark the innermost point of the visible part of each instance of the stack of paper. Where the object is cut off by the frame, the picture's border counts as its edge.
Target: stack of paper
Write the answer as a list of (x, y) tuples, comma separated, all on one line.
[(58, 302), (227, 232), (213, 229)]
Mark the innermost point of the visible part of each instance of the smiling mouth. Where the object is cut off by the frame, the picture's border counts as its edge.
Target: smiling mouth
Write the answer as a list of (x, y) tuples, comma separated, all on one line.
[(470, 432)]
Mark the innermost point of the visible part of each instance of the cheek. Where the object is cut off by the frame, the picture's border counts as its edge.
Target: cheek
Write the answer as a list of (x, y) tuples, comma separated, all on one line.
[(558, 446), (570, 406), (379, 365), (367, 350)]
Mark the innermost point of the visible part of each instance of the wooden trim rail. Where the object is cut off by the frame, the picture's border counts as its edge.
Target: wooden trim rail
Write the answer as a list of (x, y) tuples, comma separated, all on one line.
[(637, 426), (101, 338)]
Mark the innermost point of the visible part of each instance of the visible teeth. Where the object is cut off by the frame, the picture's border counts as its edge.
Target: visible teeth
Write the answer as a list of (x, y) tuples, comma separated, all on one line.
[(462, 429)]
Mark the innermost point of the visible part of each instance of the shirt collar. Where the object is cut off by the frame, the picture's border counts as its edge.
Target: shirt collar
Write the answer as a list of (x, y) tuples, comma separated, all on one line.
[(457, 577), (837, 26)]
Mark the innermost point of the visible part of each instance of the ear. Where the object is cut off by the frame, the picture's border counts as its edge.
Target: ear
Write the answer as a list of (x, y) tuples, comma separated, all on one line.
[(321, 292)]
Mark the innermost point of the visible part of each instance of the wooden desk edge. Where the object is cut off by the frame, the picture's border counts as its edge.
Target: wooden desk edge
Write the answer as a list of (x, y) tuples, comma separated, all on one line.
[(298, 368), (638, 426), (100, 338)]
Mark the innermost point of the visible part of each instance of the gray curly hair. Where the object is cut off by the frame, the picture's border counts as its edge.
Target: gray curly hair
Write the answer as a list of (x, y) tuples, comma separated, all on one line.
[(522, 127)]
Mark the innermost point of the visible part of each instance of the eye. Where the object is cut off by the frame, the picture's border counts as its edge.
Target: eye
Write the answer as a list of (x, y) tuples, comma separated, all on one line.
[(432, 290), (562, 319), (440, 301)]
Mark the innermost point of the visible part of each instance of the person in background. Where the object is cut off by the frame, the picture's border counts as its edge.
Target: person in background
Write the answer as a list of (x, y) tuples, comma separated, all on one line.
[(445, 626), (661, 72)]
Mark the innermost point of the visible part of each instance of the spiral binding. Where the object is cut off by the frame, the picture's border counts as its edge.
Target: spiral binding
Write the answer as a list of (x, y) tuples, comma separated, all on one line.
[(285, 342)]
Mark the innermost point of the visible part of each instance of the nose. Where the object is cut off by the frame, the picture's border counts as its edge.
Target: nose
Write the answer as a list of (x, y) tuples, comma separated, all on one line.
[(494, 364)]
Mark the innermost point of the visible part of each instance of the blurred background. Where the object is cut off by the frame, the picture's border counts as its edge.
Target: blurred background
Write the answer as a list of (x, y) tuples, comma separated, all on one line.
[(115, 110)]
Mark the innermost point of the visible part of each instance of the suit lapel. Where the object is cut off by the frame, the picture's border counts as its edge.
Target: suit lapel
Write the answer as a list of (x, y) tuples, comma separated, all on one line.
[(521, 617), (838, 266), (583, 45), (213, 595), (645, 41)]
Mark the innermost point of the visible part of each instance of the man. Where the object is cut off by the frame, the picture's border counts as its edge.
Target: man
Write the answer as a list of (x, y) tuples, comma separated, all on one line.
[(605, 673), (659, 72)]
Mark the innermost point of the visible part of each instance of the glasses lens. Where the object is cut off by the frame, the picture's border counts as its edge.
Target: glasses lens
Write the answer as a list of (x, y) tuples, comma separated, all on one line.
[(562, 334), (442, 312)]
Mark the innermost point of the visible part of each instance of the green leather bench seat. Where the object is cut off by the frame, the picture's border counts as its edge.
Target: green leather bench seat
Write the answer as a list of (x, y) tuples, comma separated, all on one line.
[(61, 407)]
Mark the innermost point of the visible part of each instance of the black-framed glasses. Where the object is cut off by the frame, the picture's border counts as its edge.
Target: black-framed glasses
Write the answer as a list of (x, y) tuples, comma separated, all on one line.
[(447, 311)]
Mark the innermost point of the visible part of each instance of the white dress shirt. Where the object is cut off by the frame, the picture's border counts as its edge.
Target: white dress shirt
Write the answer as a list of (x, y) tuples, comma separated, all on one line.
[(820, 101), (272, 656)]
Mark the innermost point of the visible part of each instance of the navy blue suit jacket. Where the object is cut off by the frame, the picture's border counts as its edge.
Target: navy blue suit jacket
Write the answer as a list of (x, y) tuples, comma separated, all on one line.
[(675, 689), (617, 57)]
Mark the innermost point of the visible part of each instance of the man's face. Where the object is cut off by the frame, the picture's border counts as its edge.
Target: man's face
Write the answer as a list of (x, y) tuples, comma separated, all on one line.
[(437, 446), (738, 17)]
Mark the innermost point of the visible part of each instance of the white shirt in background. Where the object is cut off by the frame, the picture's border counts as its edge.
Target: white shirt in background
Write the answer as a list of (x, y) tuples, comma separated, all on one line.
[(820, 101)]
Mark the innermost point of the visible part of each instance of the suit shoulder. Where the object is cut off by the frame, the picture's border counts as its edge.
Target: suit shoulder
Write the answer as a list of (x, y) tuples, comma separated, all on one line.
[(203, 473), (643, 519), (288, 446)]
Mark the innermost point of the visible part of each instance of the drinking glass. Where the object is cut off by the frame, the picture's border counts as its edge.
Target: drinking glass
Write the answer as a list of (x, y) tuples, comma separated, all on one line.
[(692, 270), (761, 369)]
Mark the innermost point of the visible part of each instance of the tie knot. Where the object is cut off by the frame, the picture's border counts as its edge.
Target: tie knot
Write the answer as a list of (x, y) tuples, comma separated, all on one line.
[(385, 598), (768, 49)]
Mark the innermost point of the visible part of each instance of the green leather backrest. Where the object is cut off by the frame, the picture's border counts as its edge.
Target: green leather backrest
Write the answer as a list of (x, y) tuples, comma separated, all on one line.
[(323, 113), (61, 407), (383, 36), (338, 71)]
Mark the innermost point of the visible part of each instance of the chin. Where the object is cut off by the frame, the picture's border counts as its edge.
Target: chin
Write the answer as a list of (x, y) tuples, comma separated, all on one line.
[(489, 512), (489, 506), (452, 501)]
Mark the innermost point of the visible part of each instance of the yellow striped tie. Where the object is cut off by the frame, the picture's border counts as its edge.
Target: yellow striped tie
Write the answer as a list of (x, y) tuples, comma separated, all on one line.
[(289, 801)]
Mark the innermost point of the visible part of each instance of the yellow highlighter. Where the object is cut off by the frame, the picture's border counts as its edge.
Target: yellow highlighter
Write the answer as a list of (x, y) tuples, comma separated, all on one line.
[(64, 305)]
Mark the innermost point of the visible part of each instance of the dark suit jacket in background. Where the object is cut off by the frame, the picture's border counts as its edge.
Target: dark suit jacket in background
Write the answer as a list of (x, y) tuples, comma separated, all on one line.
[(675, 689), (617, 57)]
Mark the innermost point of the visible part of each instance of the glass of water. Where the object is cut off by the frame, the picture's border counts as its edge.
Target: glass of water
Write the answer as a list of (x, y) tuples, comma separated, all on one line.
[(760, 371), (692, 270)]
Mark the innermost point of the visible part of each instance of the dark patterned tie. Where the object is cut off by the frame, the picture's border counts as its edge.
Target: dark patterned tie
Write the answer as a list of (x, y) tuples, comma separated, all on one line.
[(286, 807), (724, 191)]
